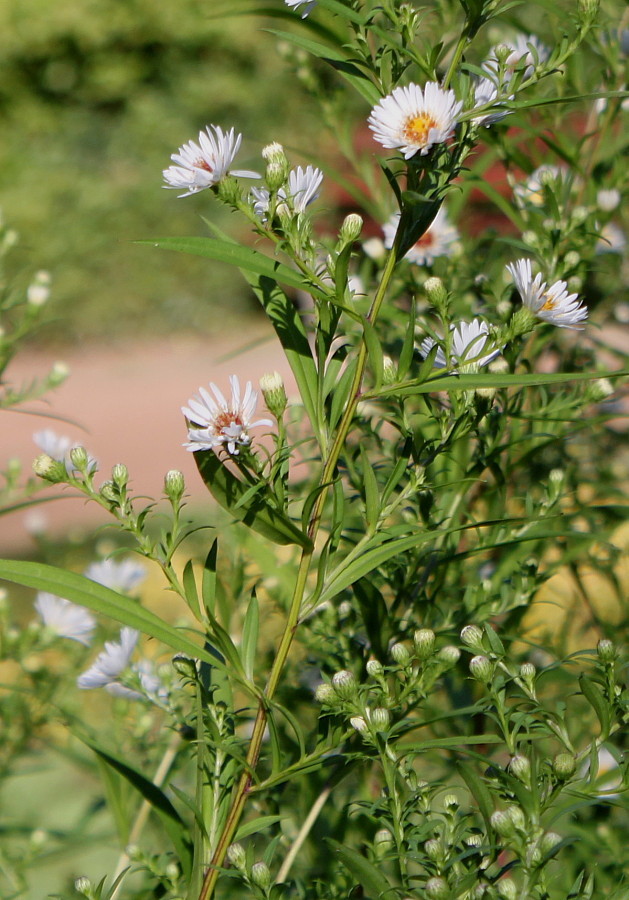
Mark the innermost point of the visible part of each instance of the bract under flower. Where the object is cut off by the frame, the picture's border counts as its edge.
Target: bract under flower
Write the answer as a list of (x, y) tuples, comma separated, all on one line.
[(199, 166), (413, 119), (552, 304), (224, 425)]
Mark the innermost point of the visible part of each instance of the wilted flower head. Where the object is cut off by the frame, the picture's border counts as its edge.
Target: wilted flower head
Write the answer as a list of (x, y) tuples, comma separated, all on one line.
[(223, 424), (438, 239), (202, 165), (302, 188), (307, 4), (121, 576), (468, 340), (413, 119), (65, 618), (58, 447), (552, 304)]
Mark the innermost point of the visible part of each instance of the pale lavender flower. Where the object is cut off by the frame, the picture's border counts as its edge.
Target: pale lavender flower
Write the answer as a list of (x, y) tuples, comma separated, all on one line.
[(438, 240), (307, 4), (413, 119), (224, 425), (552, 304), (199, 166), (109, 664), (64, 618), (486, 92), (467, 342), (123, 576)]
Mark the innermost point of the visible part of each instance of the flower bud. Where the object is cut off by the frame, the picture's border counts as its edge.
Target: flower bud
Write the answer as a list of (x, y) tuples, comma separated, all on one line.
[(608, 200), (374, 668), (261, 875), (606, 650), (46, 467), (237, 856), (549, 841), (449, 655), (83, 886), (501, 822), (437, 889), (474, 840), (389, 371), (228, 190), (358, 723), (507, 889), (481, 668), (79, 458), (564, 765), (451, 801), (436, 293), (174, 485), (108, 492), (38, 291), (344, 684), (472, 637), (520, 767), (185, 667), (325, 693), (517, 817), (172, 871), (528, 672), (350, 229), (272, 387), (433, 850), (400, 654), (601, 389), (382, 839), (58, 373), (120, 475), (380, 718), (424, 641)]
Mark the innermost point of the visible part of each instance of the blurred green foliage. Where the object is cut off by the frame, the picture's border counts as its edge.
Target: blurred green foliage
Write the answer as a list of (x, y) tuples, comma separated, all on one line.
[(94, 97)]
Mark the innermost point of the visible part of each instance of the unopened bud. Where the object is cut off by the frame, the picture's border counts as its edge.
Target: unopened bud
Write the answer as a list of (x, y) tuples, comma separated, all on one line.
[(400, 654), (436, 292), (549, 841), (108, 492), (449, 655), (185, 667), (228, 190), (38, 291), (344, 684), (273, 152), (437, 889), (507, 889), (424, 642), (528, 672), (174, 485), (433, 849), (374, 668), (325, 693), (606, 650), (382, 839), (608, 200), (58, 373), (481, 668), (517, 817), (564, 765), (46, 467), (451, 801), (272, 387), (261, 875), (275, 176), (237, 856), (83, 886), (601, 389), (472, 637), (79, 458), (350, 229), (358, 723), (380, 718), (120, 475), (520, 767), (501, 823), (389, 370)]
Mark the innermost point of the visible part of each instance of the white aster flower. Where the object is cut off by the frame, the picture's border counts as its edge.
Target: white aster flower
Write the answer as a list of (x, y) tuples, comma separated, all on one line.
[(520, 53), (467, 342), (438, 240), (64, 618), (121, 576), (108, 665), (532, 190), (302, 189), (552, 304), (608, 200), (307, 4), (414, 119), (223, 424), (58, 447), (485, 92), (201, 165)]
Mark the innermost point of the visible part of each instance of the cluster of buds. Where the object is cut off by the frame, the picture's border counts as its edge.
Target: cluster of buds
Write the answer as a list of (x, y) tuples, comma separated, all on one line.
[(345, 697), (257, 874)]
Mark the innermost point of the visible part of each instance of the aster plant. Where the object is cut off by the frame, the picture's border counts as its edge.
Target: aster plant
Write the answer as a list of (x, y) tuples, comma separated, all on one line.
[(364, 697)]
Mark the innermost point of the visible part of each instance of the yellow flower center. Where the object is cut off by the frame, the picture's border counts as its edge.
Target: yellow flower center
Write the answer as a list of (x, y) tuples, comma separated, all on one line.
[(417, 128), (548, 305)]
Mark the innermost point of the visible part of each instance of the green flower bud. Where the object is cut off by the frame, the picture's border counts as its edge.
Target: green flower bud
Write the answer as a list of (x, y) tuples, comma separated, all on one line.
[(433, 850), (83, 886), (549, 841), (228, 190), (344, 684), (172, 871), (38, 291), (380, 718), (606, 651), (261, 875), (474, 840), (601, 389), (437, 889), (400, 654), (449, 655), (274, 152), (517, 817), (358, 724), (79, 458), (325, 693), (472, 637), (108, 492), (237, 856), (119, 475), (350, 229), (528, 672), (424, 641), (481, 669), (451, 801), (272, 387), (436, 293), (564, 765), (185, 667), (389, 371), (502, 823), (382, 839), (507, 889), (520, 767), (174, 485), (50, 469), (374, 668)]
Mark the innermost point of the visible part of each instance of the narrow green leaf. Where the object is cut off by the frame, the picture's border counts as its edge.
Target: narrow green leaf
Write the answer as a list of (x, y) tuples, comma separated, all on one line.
[(190, 590), (375, 617), (257, 513), (596, 700), (479, 791), (408, 347), (341, 393), (372, 497), (244, 258), (116, 801), (256, 825), (374, 352), (208, 584), (99, 599), (368, 876), (249, 641)]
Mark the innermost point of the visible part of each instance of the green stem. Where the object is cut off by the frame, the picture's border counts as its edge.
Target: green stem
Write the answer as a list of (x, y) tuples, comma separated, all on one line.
[(292, 619)]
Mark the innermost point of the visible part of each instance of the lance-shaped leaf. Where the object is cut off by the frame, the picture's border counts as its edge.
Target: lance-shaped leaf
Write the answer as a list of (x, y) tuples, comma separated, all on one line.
[(256, 511)]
